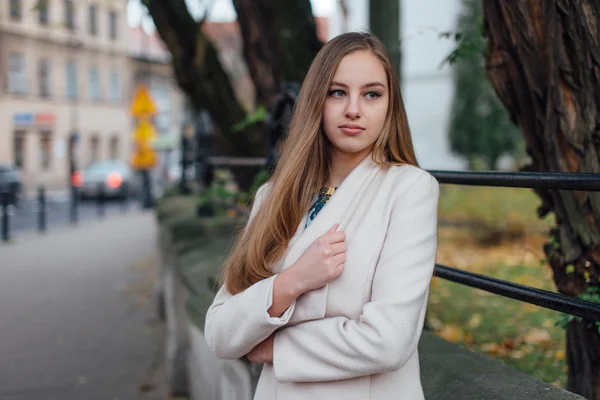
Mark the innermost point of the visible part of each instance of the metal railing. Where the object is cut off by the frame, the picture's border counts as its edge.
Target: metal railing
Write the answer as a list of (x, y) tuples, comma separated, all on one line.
[(10, 211), (532, 180)]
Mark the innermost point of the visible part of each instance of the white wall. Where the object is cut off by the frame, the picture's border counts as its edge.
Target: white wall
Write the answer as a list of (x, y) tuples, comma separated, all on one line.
[(427, 89), (358, 17)]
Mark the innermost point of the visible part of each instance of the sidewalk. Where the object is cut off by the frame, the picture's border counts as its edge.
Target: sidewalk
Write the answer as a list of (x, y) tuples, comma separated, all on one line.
[(78, 316)]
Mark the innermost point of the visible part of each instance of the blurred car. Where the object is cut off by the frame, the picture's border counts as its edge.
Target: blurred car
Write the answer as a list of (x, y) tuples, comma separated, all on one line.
[(10, 182), (116, 179)]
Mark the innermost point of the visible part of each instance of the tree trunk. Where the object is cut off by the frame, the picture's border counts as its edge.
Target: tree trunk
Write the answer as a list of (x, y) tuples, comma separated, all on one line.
[(384, 21), (200, 74), (280, 42), (544, 63)]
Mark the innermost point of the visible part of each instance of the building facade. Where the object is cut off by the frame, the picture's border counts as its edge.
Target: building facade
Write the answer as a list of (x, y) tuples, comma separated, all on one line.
[(69, 70), (65, 86), (427, 84)]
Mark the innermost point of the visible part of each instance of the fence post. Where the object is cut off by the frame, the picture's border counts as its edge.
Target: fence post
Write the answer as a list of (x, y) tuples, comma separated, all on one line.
[(100, 199), (74, 204), (125, 197), (5, 216), (42, 208)]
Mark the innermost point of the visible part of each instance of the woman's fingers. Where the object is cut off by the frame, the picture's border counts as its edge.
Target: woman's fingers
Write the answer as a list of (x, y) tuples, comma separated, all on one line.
[(337, 248), (335, 237), (338, 262), (339, 259)]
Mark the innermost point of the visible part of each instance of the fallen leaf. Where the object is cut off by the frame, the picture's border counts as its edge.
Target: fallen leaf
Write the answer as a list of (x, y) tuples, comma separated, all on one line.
[(435, 323), (468, 338), (537, 336), (492, 348), (517, 354), (475, 321), (548, 323), (509, 344), (451, 333)]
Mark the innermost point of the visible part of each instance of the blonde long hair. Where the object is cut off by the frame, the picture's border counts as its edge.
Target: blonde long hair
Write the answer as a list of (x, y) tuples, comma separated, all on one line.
[(303, 167)]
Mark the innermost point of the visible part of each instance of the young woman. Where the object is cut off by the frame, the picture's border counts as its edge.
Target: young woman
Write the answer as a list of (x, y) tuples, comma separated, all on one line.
[(328, 283)]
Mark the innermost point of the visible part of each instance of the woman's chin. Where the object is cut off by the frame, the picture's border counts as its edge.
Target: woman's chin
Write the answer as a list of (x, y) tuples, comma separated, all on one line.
[(351, 148)]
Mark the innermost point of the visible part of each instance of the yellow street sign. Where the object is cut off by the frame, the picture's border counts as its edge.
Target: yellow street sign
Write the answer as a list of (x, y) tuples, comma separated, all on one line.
[(142, 102), (143, 159), (144, 131)]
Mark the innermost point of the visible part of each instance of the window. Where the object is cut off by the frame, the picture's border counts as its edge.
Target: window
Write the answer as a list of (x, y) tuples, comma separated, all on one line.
[(43, 12), (44, 78), (19, 149), (17, 77), (114, 88), (69, 14), (112, 20), (45, 150), (94, 84), (15, 10), (159, 90), (93, 26), (114, 148), (71, 80), (94, 149)]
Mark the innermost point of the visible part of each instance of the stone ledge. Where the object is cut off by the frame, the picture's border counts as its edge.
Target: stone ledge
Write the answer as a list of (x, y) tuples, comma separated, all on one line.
[(451, 371)]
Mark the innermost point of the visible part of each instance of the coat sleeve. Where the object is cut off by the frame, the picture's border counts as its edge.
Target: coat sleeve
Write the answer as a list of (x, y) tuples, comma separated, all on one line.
[(388, 330), (236, 324)]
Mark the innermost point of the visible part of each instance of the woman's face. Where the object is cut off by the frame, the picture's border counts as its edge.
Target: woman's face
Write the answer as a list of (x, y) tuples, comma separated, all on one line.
[(356, 104)]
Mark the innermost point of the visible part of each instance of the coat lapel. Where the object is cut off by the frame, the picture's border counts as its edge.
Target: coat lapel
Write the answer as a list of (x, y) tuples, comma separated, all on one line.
[(338, 209)]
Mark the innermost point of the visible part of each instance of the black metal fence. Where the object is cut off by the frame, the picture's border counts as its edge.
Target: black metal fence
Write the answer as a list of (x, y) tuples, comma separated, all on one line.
[(533, 180), (41, 206)]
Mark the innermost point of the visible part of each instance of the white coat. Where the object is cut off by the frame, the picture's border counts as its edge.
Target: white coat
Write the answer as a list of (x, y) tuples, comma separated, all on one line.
[(356, 338)]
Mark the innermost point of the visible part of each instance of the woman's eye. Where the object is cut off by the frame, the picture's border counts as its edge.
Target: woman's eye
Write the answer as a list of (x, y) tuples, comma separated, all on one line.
[(336, 93), (373, 95)]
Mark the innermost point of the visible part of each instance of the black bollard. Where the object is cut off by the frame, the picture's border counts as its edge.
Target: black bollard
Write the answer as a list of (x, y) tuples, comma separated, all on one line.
[(42, 209), (100, 200), (124, 197), (147, 198), (4, 196), (74, 204)]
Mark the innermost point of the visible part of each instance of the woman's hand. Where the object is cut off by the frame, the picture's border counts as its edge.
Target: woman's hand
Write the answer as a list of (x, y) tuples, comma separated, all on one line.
[(263, 353), (322, 262)]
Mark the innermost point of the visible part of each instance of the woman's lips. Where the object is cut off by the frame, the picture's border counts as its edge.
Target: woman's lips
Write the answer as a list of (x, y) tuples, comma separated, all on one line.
[(352, 129)]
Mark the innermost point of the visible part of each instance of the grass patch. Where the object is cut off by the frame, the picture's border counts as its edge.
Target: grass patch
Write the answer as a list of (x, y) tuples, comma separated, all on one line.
[(521, 335)]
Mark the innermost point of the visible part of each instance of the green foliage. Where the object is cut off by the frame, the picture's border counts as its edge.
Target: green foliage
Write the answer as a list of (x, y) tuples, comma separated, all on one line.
[(480, 127), (469, 44), (223, 197), (218, 194), (591, 294), (490, 210), (258, 116)]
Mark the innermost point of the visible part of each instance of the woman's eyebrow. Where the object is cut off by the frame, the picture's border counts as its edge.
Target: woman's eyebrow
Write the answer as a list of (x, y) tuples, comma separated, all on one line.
[(368, 85)]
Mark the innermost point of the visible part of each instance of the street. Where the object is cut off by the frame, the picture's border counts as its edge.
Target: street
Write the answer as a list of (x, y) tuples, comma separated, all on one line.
[(78, 314)]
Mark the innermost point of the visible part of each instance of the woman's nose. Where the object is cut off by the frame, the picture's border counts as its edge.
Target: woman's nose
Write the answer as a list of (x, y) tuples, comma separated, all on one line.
[(352, 109)]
